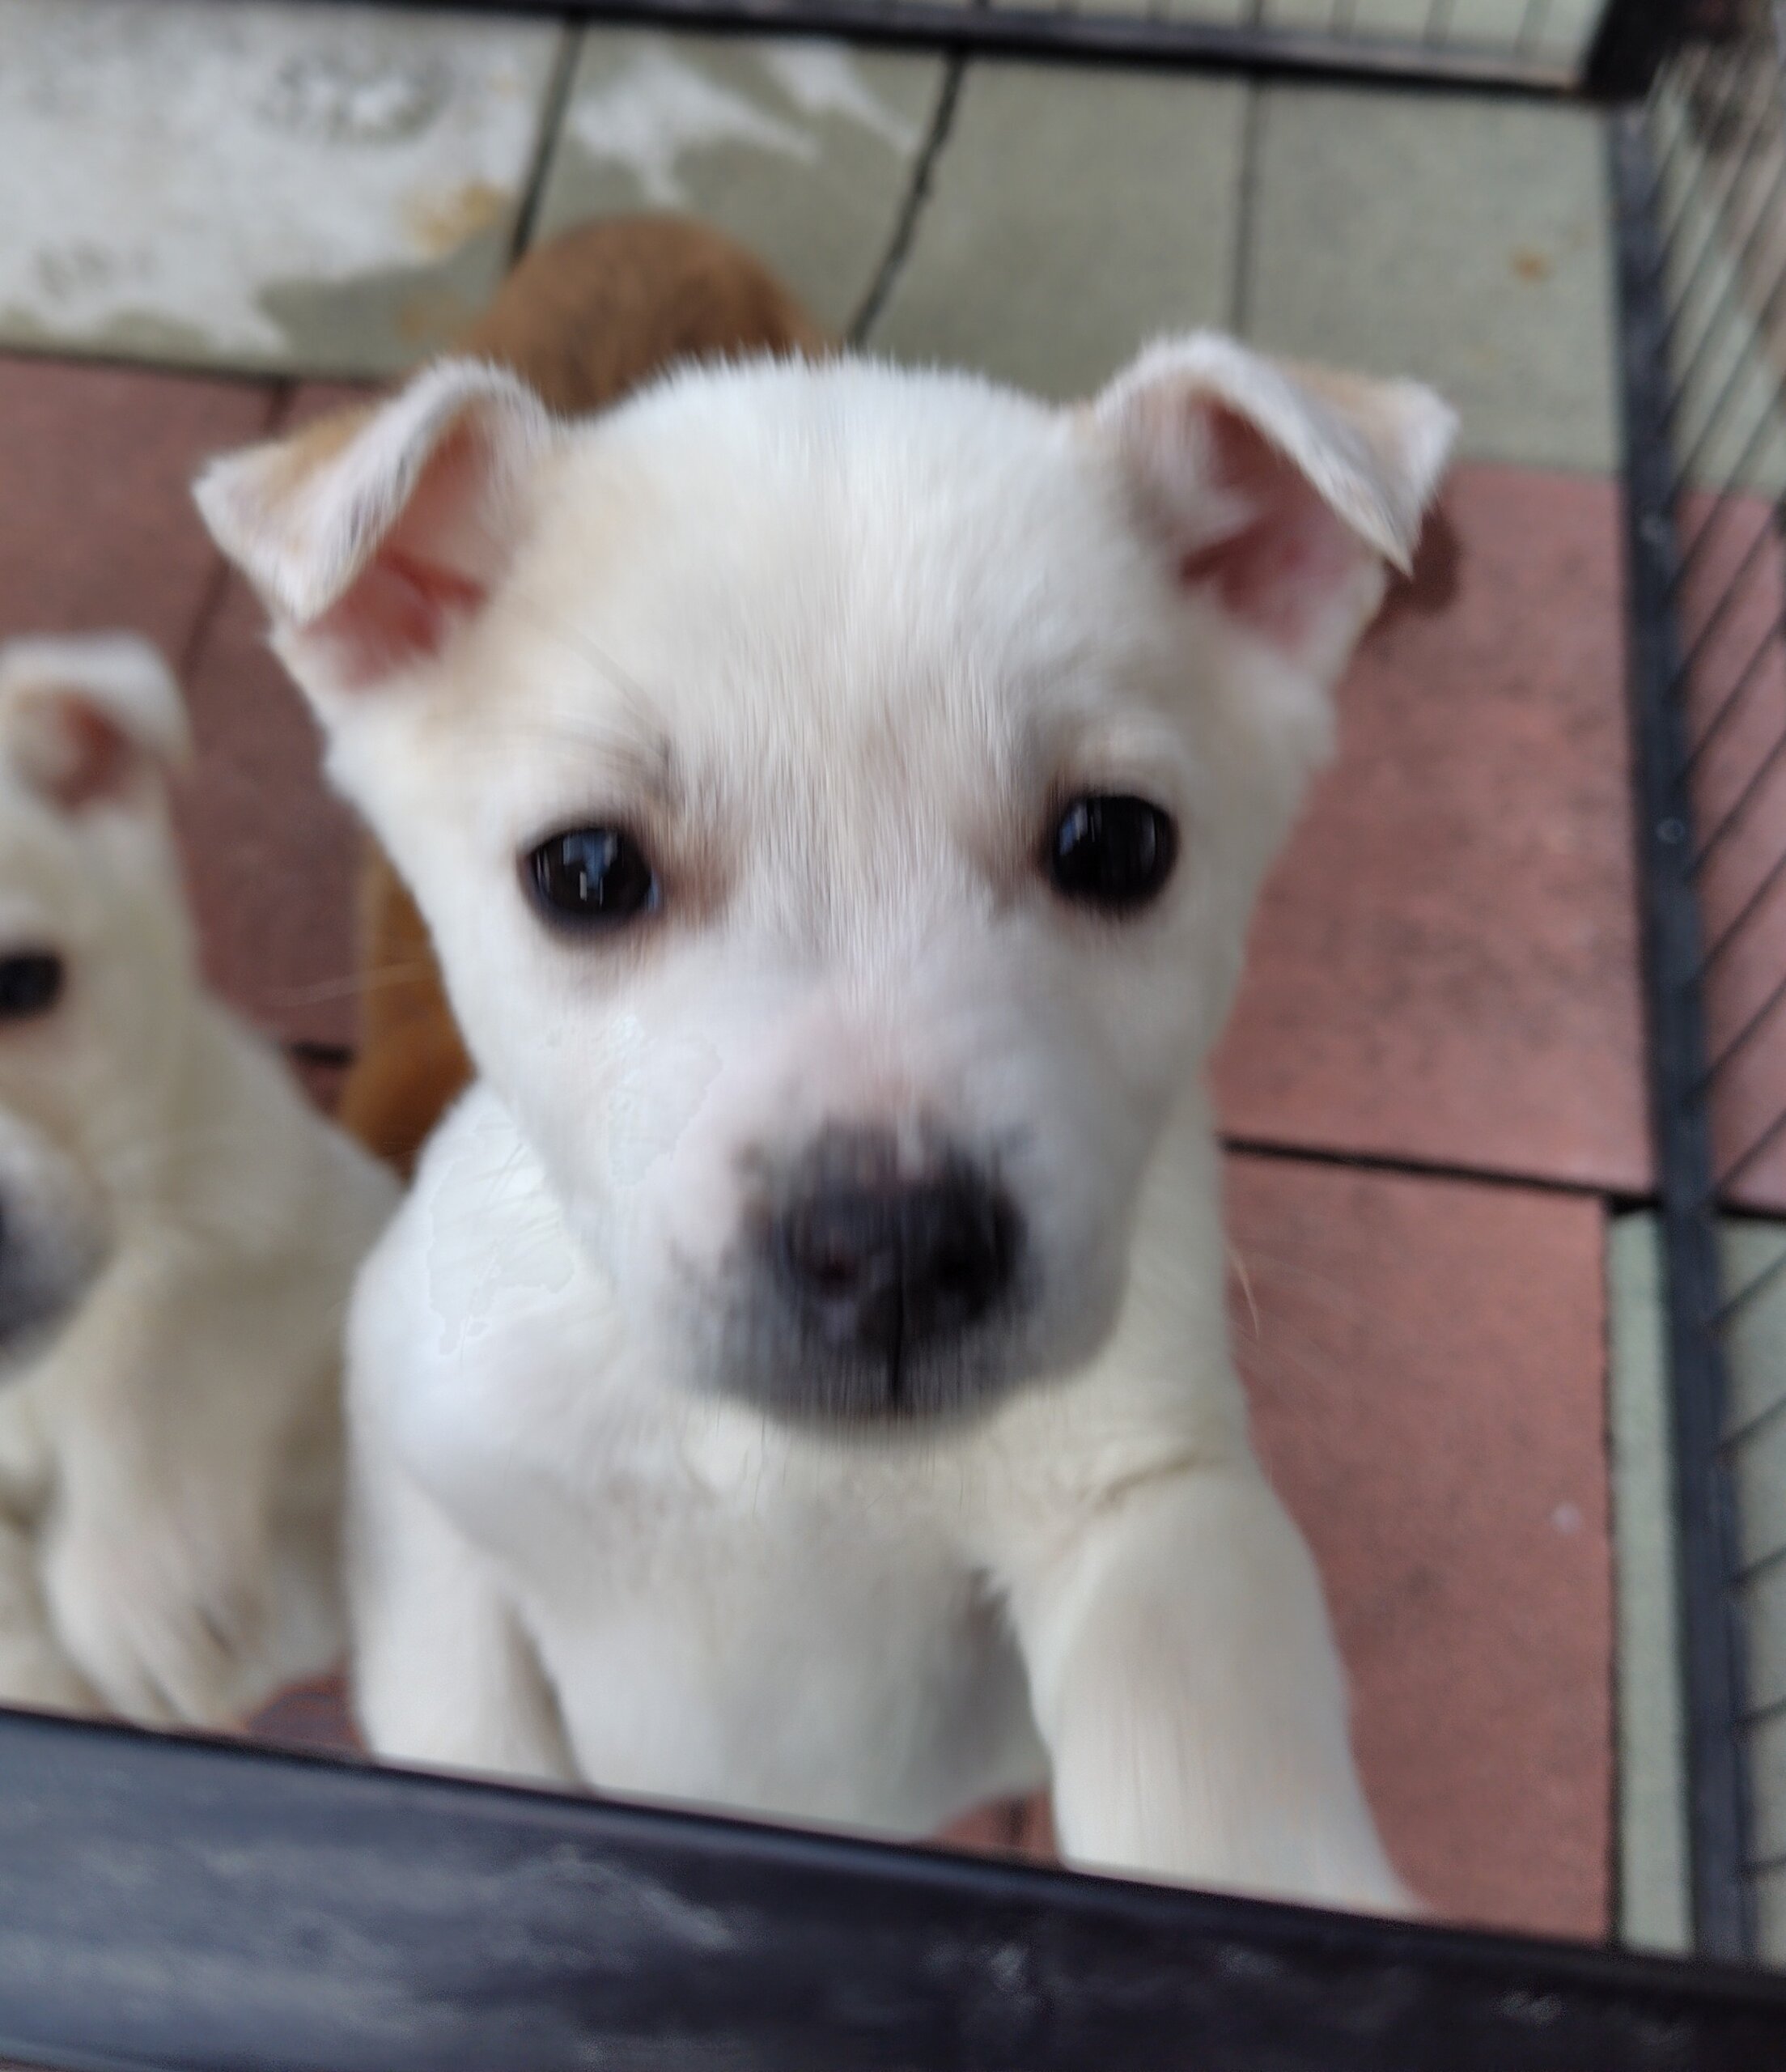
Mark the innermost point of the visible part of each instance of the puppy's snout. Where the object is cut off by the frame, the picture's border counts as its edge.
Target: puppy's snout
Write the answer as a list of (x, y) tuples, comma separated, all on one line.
[(881, 1264)]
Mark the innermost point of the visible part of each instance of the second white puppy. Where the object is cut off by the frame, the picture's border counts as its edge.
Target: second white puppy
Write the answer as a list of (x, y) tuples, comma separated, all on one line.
[(800, 1378), (178, 1233)]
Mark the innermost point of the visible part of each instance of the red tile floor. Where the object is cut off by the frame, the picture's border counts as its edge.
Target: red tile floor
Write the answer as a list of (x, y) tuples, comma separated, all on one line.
[(1432, 1085)]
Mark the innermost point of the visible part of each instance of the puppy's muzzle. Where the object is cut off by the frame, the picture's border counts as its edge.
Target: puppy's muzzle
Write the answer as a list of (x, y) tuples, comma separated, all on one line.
[(877, 1270), (892, 1279)]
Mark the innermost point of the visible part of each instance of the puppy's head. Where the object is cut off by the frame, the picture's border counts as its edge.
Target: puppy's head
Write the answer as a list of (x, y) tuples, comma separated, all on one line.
[(92, 944), (837, 795)]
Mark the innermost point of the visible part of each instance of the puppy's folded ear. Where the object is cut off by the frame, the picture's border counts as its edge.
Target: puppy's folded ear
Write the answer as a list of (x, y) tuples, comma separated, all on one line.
[(1279, 491), (89, 719), (372, 535)]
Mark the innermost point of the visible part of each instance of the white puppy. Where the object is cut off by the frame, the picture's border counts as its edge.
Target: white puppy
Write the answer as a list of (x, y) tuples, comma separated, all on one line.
[(800, 1378), (178, 1233)]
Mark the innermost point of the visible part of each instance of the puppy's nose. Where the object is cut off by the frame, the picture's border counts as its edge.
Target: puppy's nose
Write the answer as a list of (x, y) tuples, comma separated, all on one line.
[(879, 1266)]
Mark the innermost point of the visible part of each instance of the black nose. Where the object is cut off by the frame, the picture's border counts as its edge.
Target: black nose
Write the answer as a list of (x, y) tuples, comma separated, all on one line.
[(878, 1265)]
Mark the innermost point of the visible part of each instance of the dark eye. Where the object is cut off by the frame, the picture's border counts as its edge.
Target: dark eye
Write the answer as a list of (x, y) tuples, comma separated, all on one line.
[(595, 877), (30, 982), (1112, 852)]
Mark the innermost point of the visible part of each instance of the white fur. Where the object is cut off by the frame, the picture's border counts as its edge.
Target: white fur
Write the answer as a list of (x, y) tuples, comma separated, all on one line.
[(831, 640), (178, 1233)]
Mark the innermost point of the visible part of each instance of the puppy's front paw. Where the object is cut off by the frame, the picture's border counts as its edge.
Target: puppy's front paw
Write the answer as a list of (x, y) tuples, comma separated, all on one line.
[(165, 1628)]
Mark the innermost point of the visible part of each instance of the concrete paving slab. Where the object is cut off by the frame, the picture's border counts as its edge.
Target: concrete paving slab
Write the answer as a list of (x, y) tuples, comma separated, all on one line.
[(1461, 239), (1655, 1900), (805, 151), (1072, 215), (301, 188)]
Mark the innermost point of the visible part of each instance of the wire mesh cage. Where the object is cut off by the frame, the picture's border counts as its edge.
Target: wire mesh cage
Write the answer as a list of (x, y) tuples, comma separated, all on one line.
[(1701, 180)]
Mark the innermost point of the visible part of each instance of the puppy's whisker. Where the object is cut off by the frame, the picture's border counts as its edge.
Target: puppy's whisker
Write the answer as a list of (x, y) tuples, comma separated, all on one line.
[(1336, 1295), (1245, 1280), (345, 988)]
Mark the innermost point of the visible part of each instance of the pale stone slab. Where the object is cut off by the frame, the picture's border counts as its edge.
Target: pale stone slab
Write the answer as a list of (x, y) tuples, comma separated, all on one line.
[(300, 187), (803, 151), (1462, 239), (1654, 1898), (1072, 215)]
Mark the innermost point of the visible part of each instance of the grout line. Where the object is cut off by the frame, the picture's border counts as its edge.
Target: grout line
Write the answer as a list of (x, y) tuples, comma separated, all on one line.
[(1240, 288), (916, 194), (553, 104), (1618, 1200)]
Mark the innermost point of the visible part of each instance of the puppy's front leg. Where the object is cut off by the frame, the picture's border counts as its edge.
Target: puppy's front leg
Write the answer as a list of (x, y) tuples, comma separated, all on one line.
[(443, 1674), (1186, 1682)]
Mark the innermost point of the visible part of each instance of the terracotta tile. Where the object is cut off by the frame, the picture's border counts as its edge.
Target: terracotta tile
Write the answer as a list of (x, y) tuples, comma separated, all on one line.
[(97, 528), (1444, 965), (1426, 1364), (270, 850)]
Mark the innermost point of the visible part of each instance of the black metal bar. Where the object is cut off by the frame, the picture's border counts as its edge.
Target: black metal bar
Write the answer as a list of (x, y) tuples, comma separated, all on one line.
[(1068, 36), (1732, 1306), (1668, 216), (1752, 906), (1746, 1160), (1751, 1572), (191, 1906), (1672, 214), (1757, 1422), (1746, 1035), (1709, 1646), (1632, 39), (1731, 703), (1741, 807), (1714, 243)]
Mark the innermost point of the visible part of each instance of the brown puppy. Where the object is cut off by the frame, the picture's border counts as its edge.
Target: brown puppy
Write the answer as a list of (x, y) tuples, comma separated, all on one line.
[(582, 319)]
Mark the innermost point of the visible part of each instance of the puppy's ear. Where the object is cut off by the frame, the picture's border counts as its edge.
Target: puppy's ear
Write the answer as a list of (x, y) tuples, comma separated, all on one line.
[(1279, 492), (372, 535), (90, 720)]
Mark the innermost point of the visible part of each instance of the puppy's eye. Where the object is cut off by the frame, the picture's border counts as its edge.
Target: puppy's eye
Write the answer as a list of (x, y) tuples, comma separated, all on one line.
[(1112, 852), (595, 877), (30, 982)]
